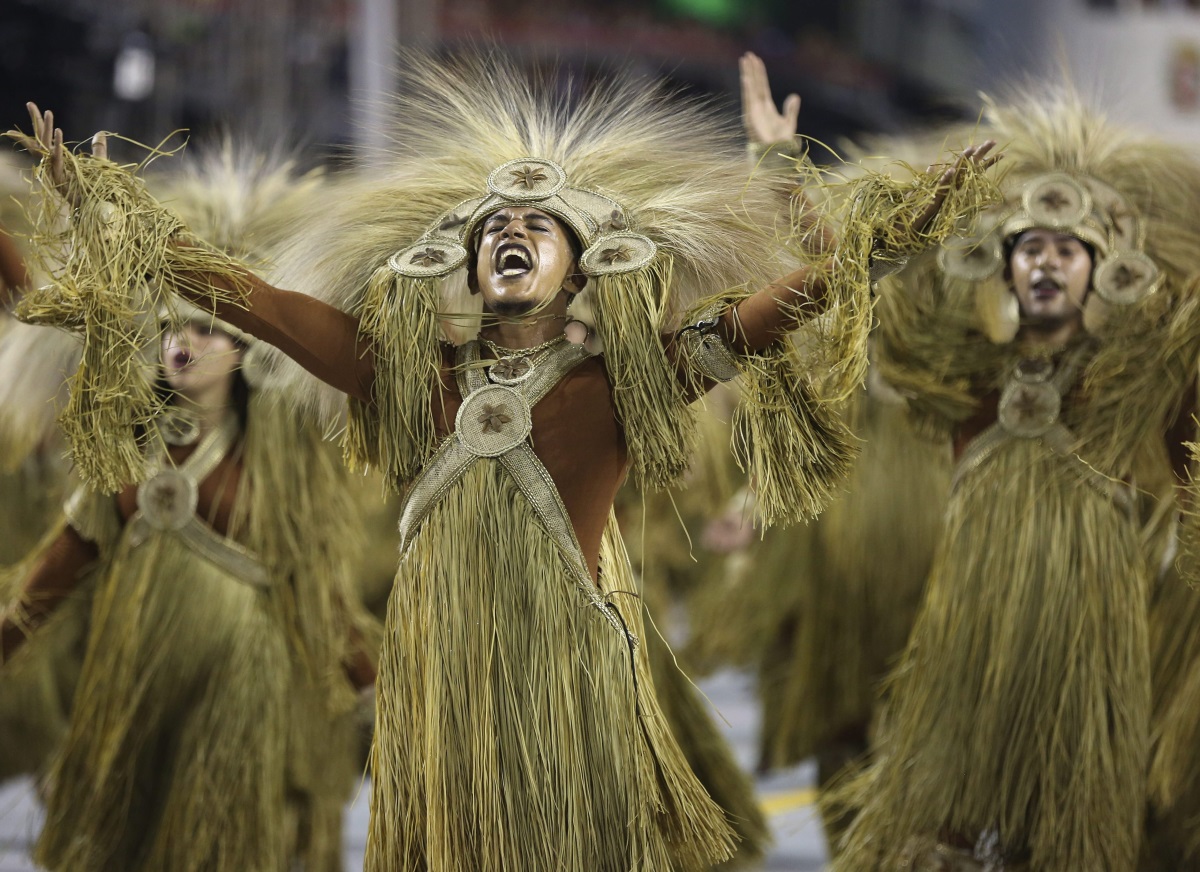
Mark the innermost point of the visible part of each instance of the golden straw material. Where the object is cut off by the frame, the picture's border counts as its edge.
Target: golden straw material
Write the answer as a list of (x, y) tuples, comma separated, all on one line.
[(178, 723), (709, 754), (495, 671), (113, 263), (1022, 705), (856, 582)]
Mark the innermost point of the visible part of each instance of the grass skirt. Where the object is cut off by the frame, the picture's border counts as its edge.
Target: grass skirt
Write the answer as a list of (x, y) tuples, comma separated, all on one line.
[(513, 731), (176, 755), (708, 753), (857, 589), (1172, 838), (1020, 710)]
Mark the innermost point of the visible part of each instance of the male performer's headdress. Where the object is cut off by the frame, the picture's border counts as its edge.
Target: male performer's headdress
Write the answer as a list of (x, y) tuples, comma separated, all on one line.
[(653, 185), (1070, 170), (1132, 199)]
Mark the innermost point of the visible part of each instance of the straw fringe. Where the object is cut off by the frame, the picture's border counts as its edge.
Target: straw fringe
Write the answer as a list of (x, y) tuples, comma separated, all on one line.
[(858, 580), (873, 211), (396, 431), (708, 754), (658, 426), (176, 725), (1020, 708), (113, 266), (495, 671)]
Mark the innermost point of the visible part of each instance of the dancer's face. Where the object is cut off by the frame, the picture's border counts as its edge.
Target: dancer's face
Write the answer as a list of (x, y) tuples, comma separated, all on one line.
[(524, 261), (1051, 273), (200, 361)]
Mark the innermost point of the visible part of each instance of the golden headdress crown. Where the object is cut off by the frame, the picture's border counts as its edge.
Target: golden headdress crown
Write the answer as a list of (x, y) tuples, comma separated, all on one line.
[(599, 222), (1079, 205)]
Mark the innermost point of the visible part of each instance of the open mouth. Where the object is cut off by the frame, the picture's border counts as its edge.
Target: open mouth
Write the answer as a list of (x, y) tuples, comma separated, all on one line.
[(513, 260), (180, 358), (1046, 288)]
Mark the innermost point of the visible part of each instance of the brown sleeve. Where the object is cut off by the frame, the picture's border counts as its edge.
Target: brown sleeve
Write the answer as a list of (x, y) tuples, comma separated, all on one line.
[(13, 276), (53, 578), (772, 313), (322, 339)]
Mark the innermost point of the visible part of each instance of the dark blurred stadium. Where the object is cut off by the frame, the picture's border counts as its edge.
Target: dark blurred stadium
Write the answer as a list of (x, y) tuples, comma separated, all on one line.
[(305, 70)]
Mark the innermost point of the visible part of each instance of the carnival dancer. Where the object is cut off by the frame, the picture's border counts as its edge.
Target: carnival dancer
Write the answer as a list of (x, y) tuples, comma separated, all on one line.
[(517, 724), (1016, 735), (212, 726)]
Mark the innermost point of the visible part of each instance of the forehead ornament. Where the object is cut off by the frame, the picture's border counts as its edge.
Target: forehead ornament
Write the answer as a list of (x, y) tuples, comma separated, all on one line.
[(601, 224)]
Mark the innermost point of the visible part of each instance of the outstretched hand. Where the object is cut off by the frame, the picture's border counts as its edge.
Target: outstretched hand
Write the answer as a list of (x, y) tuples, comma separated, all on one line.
[(952, 178), (765, 125), (47, 141)]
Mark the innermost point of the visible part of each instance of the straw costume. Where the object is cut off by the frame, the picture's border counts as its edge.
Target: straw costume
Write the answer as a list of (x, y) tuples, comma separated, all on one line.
[(35, 697), (212, 678), (662, 529), (857, 577), (517, 725), (1017, 731)]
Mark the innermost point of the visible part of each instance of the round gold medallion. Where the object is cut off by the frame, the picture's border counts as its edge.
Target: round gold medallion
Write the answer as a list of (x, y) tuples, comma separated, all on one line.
[(1056, 201), (168, 500), (178, 426), (623, 251), (1125, 277), (971, 259), (528, 178), (428, 258), (493, 419), (1029, 408)]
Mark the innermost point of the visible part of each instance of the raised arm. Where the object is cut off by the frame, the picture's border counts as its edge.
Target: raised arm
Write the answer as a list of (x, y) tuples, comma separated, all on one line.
[(781, 307), (321, 338)]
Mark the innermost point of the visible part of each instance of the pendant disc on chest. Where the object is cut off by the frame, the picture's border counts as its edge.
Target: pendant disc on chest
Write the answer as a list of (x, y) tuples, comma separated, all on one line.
[(493, 419), (168, 500), (1029, 409)]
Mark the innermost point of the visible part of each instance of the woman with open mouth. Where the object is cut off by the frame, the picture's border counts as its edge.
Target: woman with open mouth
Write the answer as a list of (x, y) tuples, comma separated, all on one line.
[(214, 722)]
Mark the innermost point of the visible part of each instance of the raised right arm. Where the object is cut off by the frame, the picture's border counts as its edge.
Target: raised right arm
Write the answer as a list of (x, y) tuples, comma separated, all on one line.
[(322, 339)]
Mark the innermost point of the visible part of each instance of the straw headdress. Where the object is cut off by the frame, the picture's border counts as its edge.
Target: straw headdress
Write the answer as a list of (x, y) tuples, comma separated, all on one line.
[(653, 185)]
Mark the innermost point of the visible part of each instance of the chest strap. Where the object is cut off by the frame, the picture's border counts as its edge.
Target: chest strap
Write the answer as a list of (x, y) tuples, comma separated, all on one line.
[(494, 422)]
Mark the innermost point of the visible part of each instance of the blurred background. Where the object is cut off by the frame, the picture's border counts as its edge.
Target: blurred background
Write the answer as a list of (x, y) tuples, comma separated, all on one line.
[(308, 70)]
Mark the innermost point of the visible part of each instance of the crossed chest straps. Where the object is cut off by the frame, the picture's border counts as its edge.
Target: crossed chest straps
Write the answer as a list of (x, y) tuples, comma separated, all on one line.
[(1031, 404), (167, 501), (494, 422)]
